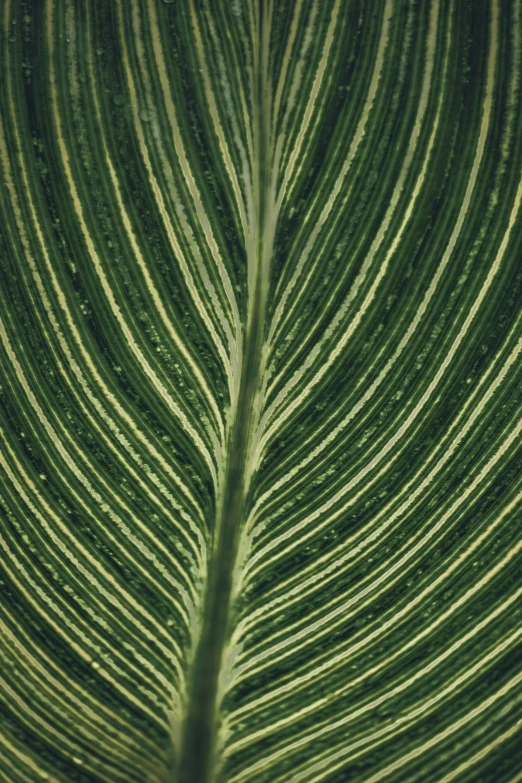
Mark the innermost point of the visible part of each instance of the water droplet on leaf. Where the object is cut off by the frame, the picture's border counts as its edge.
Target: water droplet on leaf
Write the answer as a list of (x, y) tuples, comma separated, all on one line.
[(147, 115)]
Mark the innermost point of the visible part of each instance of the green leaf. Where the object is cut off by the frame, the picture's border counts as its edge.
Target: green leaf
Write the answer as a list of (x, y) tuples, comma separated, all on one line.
[(260, 338)]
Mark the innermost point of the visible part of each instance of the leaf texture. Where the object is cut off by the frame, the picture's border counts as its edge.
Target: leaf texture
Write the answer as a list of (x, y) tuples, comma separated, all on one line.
[(260, 350)]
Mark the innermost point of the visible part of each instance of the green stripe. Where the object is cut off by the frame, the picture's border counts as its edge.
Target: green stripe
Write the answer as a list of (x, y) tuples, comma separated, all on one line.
[(260, 350)]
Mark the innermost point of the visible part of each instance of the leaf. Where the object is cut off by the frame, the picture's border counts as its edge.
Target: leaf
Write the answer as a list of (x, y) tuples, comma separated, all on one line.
[(260, 408)]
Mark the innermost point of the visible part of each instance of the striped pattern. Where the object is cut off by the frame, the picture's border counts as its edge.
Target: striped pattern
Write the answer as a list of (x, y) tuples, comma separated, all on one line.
[(261, 368)]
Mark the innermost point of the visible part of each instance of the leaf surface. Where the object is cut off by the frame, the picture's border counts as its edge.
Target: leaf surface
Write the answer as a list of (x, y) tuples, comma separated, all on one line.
[(260, 337)]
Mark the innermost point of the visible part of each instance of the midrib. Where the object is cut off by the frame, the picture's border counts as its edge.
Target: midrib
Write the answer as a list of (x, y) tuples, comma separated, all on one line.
[(197, 761)]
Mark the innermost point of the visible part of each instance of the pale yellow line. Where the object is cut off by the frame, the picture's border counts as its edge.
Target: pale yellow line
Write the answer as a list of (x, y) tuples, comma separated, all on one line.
[(232, 362), (298, 6), (189, 178), (345, 750), (64, 693), (49, 733), (85, 355), (104, 507), (510, 686), (23, 758), (260, 441), (334, 660), (295, 87), (326, 621), (359, 134), (482, 754), (400, 433), (247, 208), (167, 222), (116, 311), (186, 605), (289, 719), (178, 342), (442, 735), (80, 567), (137, 523), (347, 552), (29, 590), (246, 221), (322, 70), (318, 351), (398, 726)]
